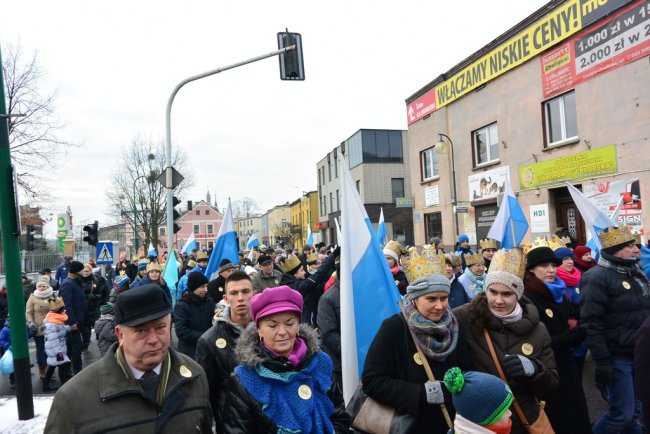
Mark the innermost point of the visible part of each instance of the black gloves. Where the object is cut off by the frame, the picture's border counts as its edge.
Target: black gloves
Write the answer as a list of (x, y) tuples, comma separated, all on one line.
[(603, 375), (336, 252), (516, 366)]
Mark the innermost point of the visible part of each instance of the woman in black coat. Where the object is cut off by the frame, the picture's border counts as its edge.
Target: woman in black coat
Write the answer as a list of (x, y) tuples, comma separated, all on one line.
[(566, 407), (96, 294), (193, 313), (393, 372)]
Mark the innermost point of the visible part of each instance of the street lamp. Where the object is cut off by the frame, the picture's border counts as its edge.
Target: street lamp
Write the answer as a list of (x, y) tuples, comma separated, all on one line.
[(135, 213), (441, 148)]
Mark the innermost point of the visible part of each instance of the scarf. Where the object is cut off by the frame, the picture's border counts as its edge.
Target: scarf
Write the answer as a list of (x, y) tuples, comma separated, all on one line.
[(582, 265), (628, 268), (514, 316), (44, 295), (478, 281), (395, 270), (464, 426), (280, 395), (556, 288), (569, 278), (297, 355), (437, 340), (56, 318)]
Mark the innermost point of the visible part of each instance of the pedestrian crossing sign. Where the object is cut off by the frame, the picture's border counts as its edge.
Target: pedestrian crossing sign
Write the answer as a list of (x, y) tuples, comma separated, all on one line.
[(104, 252)]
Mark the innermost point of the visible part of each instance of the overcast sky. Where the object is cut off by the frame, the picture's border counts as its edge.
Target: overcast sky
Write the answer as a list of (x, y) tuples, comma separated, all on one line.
[(246, 132)]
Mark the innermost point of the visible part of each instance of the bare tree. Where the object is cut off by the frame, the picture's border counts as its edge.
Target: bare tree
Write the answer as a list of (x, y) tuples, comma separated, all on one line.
[(33, 126), (281, 232), (134, 186), (245, 207)]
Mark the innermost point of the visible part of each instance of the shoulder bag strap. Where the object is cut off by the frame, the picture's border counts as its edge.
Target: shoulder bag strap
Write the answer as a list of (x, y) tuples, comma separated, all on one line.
[(425, 363), (515, 404)]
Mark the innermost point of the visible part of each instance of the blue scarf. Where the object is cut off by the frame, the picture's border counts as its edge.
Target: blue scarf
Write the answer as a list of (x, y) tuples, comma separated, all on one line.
[(478, 281), (278, 392), (556, 288)]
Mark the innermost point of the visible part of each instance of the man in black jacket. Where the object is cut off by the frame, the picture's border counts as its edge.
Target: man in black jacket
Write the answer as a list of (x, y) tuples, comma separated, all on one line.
[(72, 293), (215, 348), (616, 301), (329, 327)]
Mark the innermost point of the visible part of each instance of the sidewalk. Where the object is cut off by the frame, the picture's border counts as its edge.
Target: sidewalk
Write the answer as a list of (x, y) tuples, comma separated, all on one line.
[(9, 423)]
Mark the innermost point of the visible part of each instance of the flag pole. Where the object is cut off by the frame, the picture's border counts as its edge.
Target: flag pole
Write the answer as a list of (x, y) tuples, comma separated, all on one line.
[(512, 227)]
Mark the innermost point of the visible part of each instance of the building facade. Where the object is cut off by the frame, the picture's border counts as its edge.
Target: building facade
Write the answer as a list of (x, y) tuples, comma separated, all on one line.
[(279, 224), (379, 165), (303, 212), (204, 221), (550, 101), (247, 226)]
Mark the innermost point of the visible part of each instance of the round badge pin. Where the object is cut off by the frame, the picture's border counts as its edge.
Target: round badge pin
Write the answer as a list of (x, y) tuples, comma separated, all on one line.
[(549, 313), (626, 285), (304, 392), (221, 343), (577, 290), (527, 349), (417, 359), (185, 371)]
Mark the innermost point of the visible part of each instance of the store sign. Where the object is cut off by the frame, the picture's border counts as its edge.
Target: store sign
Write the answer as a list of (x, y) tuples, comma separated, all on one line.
[(404, 202), (588, 164), (431, 196), (539, 221), (487, 185), (485, 216), (620, 40), (558, 25), (628, 193)]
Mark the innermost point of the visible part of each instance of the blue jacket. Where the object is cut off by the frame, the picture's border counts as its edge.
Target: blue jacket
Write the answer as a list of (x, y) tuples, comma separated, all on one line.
[(75, 301), (5, 336), (62, 272)]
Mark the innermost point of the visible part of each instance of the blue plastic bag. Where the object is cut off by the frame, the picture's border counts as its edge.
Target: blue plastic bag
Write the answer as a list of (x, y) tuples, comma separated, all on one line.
[(7, 363)]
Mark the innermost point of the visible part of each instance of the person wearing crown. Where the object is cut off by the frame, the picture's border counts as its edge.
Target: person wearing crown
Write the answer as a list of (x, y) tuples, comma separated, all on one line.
[(393, 373), (488, 248), (473, 278), (616, 302), (392, 251), (521, 342), (566, 407)]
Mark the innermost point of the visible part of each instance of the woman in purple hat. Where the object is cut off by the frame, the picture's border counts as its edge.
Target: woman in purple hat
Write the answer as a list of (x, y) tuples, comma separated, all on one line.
[(283, 379)]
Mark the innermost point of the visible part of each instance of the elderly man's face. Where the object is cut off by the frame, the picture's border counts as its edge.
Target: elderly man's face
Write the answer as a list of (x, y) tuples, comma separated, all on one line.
[(145, 345)]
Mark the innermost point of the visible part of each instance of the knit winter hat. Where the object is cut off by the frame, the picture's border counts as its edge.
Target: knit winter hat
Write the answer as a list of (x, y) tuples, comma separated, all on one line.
[(142, 265), (45, 279), (581, 250), (195, 280), (120, 281), (106, 308), (478, 397), (563, 252), (75, 267), (425, 285), (510, 280), (462, 238)]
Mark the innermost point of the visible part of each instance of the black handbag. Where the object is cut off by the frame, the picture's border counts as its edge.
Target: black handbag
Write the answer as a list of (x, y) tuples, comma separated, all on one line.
[(372, 417)]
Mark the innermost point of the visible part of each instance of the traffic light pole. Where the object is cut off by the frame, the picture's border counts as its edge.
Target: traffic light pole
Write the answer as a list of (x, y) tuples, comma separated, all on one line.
[(168, 134), (11, 254)]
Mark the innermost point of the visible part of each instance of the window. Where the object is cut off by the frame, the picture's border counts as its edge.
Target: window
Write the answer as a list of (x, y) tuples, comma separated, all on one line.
[(197, 228), (432, 225), (429, 160), (322, 203), (329, 170), (336, 167), (210, 245), (381, 146), (210, 229), (197, 212), (560, 119), (486, 144), (207, 212), (319, 182), (331, 202), (338, 206), (162, 230), (358, 186), (397, 187)]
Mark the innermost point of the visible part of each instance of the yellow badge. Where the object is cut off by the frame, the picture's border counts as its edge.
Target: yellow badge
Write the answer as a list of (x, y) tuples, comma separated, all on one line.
[(185, 371), (626, 285), (277, 282), (549, 313), (527, 349), (221, 343), (304, 392), (417, 358)]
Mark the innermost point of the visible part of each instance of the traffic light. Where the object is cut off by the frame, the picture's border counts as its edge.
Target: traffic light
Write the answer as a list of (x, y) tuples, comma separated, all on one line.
[(30, 237), (291, 63), (175, 213), (92, 232)]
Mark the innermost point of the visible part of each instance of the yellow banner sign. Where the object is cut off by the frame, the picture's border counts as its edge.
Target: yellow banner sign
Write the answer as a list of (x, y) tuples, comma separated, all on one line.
[(588, 164)]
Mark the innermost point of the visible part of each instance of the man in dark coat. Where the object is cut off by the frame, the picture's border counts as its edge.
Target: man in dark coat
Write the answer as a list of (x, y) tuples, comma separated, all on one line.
[(310, 288), (267, 276), (642, 369), (141, 385), (329, 327), (215, 350), (615, 303), (72, 293), (216, 286)]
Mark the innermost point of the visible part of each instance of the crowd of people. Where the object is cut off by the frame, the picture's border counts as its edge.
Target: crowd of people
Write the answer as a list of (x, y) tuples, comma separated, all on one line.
[(488, 340)]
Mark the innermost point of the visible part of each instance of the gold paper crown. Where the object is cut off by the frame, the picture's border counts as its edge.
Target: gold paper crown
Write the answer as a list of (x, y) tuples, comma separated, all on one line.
[(202, 256), (512, 261), (290, 263), (312, 257), (537, 242), (422, 264), (488, 243), (558, 243), (454, 258), (395, 247), (613, 236), (637, 237), (153, 266), (473, 258)]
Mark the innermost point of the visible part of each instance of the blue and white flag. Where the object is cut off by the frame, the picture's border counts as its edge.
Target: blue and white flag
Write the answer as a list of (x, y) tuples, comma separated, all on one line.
[(152, 250), (368, 291), (225, 246), (171, 273), (310, 236), (595, 219), (510, 225), (381, 228), (190, 244), (252, 242)]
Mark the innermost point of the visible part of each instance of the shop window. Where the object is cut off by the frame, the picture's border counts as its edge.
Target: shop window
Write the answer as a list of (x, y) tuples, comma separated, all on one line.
[(429, 160), (485, 142), (560, 123)]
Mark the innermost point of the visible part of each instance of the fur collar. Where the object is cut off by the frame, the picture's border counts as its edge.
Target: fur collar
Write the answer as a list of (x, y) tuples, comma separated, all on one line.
[(246, 349)]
